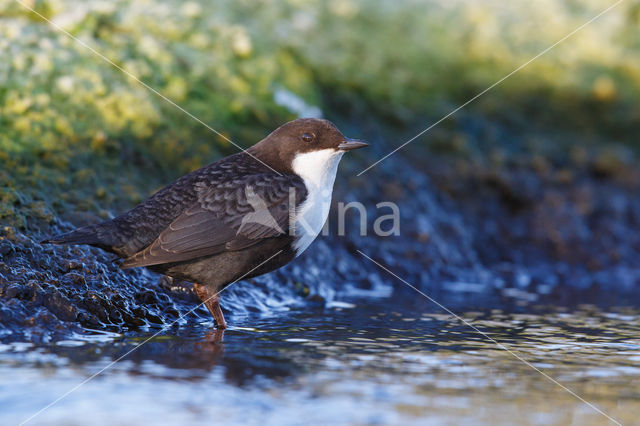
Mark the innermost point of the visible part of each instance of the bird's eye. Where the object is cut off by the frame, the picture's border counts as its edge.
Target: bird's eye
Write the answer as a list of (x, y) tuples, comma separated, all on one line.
[(307, 137)]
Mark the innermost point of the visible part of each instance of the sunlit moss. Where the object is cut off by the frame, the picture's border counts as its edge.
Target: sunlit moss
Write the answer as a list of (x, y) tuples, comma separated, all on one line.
[(61, 105)]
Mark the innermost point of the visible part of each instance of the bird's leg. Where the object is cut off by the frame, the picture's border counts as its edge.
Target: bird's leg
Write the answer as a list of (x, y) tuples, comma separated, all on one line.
[(212, 301)]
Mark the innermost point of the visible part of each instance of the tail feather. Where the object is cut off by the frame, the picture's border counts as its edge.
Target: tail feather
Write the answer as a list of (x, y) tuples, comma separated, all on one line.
[(85, 235), (103, 235)]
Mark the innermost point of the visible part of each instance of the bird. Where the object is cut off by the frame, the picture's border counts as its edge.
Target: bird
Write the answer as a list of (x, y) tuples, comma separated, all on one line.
[(239, 217)]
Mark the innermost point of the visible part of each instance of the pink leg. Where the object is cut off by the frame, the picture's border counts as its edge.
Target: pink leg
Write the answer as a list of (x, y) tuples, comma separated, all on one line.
[(212, 301)]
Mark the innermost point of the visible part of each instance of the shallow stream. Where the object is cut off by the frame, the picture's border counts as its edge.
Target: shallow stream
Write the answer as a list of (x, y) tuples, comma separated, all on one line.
[(367, 361)]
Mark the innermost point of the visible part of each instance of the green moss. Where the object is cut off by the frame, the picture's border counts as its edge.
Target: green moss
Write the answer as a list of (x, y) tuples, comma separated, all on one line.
[(74, 128)]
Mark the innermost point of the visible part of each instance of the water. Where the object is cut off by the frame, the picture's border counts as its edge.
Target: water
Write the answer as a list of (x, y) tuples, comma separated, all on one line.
[(368, 362)]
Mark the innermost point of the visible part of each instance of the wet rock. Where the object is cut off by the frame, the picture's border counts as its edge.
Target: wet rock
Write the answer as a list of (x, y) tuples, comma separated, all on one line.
[(73, 279), (14, 290), (60, 306), (610, 161), (6, 247)]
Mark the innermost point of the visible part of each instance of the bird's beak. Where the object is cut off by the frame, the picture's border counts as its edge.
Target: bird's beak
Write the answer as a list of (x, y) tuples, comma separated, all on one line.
[(349, 144)]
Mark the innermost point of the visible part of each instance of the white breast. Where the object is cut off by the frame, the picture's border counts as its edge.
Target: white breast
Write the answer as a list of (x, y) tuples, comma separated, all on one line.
[(318, 170)]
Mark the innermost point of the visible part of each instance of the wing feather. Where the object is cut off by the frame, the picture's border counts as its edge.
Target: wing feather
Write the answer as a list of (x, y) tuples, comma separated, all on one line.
[(232, 216)]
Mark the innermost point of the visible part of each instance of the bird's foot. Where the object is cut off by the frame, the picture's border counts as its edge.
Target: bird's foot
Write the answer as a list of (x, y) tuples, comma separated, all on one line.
[(211, 300)]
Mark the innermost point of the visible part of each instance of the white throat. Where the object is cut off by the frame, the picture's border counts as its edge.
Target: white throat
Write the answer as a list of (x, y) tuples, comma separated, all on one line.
[(318, 170)]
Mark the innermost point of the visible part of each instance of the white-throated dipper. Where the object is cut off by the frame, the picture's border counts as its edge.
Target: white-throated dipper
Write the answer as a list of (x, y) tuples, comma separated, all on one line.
[(239, 217)]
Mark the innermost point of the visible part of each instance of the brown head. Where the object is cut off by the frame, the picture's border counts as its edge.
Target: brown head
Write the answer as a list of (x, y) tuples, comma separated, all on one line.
[(302, 136)]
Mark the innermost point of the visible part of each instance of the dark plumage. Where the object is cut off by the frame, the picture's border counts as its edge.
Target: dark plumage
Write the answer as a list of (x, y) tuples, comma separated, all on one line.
[(225, 221)]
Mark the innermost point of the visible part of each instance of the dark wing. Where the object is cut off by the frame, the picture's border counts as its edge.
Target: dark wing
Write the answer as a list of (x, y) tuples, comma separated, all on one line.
[(234, 215)]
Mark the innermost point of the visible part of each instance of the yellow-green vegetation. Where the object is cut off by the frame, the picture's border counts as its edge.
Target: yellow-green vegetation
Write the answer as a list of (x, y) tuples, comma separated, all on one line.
[(69, 120)]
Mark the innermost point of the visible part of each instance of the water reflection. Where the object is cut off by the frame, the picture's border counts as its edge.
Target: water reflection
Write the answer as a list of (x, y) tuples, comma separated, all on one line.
[(371, 363)]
